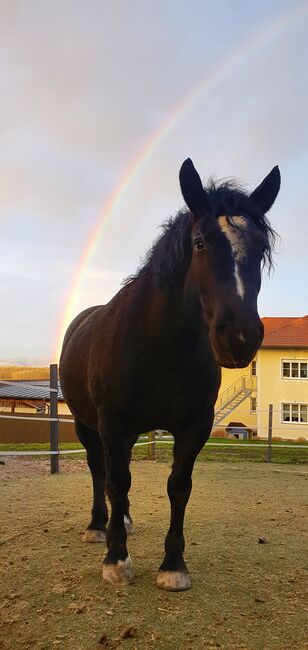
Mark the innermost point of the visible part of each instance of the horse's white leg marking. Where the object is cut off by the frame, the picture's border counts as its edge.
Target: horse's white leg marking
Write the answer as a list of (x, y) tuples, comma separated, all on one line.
[(237, 243), (173, 580), (91, 536), (128, 525), (120, 573)]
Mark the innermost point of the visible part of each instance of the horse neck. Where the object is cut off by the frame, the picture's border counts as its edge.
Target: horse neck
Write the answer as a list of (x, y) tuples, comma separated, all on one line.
[(170, 311)]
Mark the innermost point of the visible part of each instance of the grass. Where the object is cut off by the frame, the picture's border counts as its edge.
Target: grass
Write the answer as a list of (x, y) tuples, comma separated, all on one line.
[(38, 446), (11, 373), (226, 452)]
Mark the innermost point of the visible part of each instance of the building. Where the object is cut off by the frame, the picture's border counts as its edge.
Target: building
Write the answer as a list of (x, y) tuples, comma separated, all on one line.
[(278, 376), (20, 401), (29, 396)]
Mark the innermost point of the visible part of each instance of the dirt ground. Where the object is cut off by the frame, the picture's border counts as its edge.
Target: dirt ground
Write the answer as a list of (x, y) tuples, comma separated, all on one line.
[(245, 594), (23, 466)]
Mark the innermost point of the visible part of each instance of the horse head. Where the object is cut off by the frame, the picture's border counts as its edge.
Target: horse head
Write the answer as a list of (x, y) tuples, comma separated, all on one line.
[(230, 239)]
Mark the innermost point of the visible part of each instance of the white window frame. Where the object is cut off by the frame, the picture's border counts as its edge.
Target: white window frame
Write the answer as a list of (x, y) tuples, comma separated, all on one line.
[(251, 373), (290, 361), (298, 404)]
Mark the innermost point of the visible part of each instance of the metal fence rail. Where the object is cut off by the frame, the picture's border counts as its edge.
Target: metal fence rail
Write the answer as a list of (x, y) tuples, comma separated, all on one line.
[(60, 452), (150, 440)]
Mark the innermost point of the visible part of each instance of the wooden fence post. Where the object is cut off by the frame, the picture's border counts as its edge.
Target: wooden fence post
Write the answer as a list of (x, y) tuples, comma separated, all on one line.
[(151, 445), (269, 434), (54, 434)]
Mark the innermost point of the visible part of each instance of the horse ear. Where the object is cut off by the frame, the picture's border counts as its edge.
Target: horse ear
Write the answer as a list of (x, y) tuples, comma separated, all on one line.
[(265, 194), (192, 188)]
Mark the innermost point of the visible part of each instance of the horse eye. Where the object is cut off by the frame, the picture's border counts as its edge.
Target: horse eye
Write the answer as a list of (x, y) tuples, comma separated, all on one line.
[(199, 245)]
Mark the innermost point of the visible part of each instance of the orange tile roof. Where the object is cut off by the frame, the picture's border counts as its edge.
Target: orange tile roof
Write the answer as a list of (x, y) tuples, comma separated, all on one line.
[(285, 332)]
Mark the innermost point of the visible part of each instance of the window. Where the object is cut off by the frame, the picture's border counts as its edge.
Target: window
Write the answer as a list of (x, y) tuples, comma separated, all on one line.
[(295, 413), (295, 369), (253, 368), (253, 405)]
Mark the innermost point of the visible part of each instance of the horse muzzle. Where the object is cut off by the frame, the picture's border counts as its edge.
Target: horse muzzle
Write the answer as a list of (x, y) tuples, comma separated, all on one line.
[(235, 346)]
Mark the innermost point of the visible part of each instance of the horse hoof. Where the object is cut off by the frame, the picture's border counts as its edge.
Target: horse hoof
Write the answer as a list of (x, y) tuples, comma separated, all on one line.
[(129, 526), (93, 536), (120, 573), (173, 580)]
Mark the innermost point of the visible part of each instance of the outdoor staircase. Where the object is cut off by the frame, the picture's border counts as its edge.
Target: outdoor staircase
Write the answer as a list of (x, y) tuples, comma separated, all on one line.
[(233, 397)]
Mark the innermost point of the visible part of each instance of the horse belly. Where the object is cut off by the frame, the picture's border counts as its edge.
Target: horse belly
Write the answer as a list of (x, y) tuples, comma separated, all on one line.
[(74, 383), (171, 402)]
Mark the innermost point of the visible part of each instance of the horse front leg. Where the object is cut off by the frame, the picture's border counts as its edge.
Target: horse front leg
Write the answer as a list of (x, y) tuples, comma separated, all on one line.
[(128, 522), (117, 565), (173, 574)]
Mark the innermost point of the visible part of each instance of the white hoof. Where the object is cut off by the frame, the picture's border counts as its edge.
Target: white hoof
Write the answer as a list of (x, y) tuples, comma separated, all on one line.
[(128, 525), (92, 536), (173, 580), (120, 573)]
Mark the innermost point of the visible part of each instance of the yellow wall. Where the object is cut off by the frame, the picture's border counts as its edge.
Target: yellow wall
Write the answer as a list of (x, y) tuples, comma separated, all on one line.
[(63, 409), (242, 412), (272, 389), (28, 410)]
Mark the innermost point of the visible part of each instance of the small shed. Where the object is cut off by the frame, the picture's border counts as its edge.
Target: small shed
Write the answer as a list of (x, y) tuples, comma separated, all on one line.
[(25, 408), (239, 431), (25, 396)]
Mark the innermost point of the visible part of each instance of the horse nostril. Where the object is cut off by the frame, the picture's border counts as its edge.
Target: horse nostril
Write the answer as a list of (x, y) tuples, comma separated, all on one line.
[(221, 329)]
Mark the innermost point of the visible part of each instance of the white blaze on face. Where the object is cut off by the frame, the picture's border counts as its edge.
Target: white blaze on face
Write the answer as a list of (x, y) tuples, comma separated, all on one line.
[(236, 240)]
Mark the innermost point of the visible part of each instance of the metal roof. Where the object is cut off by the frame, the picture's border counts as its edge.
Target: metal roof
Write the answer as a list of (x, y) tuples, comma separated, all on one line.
[(24, 389)]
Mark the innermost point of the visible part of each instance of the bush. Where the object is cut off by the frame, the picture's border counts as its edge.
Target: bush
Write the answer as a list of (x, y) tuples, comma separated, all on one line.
[(219, 433)]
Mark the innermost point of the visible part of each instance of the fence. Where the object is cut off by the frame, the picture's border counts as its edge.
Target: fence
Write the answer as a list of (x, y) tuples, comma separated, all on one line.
[(153, 440)]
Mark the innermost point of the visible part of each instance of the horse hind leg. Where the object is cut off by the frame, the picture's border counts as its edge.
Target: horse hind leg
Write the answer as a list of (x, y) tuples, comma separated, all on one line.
[(90, 439), (117, 565)]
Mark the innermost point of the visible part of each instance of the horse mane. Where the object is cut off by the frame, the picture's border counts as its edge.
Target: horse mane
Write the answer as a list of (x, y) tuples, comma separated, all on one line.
[(170, 254)]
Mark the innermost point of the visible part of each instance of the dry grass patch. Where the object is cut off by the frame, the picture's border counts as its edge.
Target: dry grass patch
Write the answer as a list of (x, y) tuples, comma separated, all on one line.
[(244, 594)]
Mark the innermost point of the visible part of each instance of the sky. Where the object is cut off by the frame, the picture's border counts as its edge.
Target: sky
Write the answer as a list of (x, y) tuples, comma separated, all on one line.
[(100, 104)]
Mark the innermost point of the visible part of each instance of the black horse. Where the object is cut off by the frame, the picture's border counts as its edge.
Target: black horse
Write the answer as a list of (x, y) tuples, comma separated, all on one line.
[(151, 357)]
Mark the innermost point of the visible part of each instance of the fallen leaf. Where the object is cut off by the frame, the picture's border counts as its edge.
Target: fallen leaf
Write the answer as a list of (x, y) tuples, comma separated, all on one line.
[(77, 609), (129, 633)]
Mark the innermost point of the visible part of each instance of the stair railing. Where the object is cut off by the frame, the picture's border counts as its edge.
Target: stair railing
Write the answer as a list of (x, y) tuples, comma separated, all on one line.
[(241, 386)]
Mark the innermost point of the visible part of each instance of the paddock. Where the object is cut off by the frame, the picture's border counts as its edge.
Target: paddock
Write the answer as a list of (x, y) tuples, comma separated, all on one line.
[(244, 548)]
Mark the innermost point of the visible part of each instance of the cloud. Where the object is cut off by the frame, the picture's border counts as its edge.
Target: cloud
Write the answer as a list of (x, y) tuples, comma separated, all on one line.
[(83, 88)]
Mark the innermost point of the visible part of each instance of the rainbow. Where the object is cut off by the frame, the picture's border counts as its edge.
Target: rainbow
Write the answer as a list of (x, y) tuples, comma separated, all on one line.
[(236, 58)]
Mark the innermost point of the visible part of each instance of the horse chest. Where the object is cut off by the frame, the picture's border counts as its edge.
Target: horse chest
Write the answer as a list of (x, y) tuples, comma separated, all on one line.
[(169, 393)]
